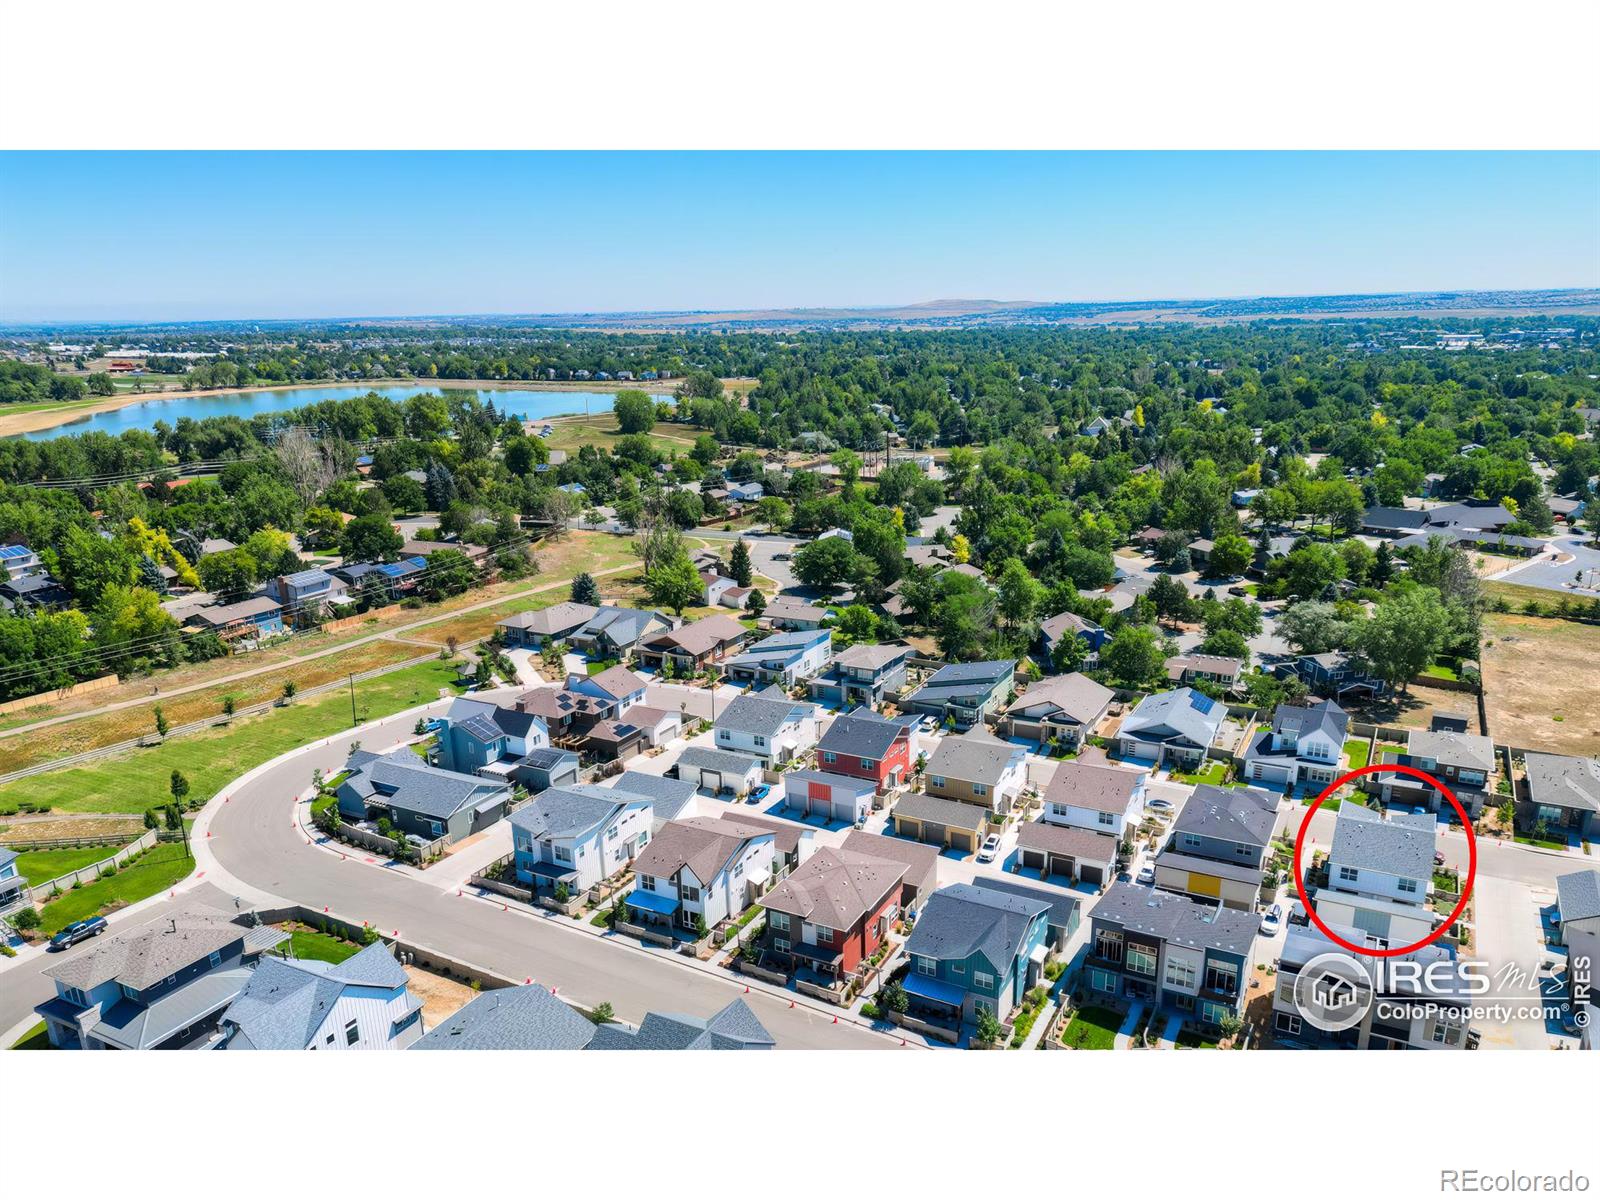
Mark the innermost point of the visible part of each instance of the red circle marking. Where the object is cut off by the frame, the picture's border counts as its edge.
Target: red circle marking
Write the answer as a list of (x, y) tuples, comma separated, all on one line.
[(1472, 859)]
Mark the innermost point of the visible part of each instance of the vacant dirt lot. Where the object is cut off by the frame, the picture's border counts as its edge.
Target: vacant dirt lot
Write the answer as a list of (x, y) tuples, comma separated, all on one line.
[(441, 997), (1539, 683)]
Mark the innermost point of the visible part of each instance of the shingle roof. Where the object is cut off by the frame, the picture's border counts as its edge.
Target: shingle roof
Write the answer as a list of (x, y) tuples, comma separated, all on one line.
[(835, 887), (960, 920), (1326, 718), (1400, 845), (870, 656), (1564, 781), (667, 796), (733, 1028), (1246, 814), (702, 844), (404, 781), (918, 806), (287, 1000), (964, 679), (1074, 696), (860, 734), (514, 1018), (1457, 749), (713, 759), (1208, 866), (1093, 786), (558, 618), (786, 835), (702, 636), (1071, 840), (567, 812), (617, 682), (1177, 918), (1185, 711), (1062, 904), (920, 858), (1066, 622), (760, 714), (151, 952), (1578, 895), (974, 758)]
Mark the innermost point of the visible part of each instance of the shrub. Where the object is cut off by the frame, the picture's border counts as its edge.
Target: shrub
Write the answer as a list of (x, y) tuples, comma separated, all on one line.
[(870, 1011), (26, 918)]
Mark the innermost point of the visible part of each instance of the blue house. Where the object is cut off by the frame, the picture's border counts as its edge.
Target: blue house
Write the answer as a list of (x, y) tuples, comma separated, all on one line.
[(976, 948), (479, 738), (1064, 625), (419, 800), (784, 658)]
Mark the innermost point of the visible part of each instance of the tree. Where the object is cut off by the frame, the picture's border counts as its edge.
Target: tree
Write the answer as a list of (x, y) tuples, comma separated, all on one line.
[(1017, 595), (635, 412), (161, 722), (856, 623), (1226, 643), (290, 687), (89, 564), (228, 706), (585, 590), (1405, 634), (365, 539), (439, 489), (404, 493), (674, 584), (988, 1029), (1313, 627), (755, 603), (825, 563), (603, 1013), (1171, 598), (179, 787), (685, 508), (739, 563), (308, 465), (1230, 556), (448, 573), (774, 512), (1133, 655)]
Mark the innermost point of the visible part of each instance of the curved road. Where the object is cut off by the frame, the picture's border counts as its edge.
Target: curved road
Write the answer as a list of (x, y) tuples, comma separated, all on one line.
[(250, 845)]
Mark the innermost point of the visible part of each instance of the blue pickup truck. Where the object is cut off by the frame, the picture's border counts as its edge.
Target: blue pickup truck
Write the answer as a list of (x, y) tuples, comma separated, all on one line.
[(79, 931)]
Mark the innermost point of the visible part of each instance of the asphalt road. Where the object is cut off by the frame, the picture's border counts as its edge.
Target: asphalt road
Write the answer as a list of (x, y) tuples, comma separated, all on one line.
[(1580, 564)]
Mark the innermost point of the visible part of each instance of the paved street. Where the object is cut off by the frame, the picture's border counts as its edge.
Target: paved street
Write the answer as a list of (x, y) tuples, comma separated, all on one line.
[(1574, 563)]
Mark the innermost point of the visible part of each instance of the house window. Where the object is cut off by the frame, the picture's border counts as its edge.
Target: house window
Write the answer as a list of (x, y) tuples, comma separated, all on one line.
[(689, 894), (435, 828), (1106, 818), (1108, 945), (1347, 874), (1141, 961), (1180, 975), (984, 980), (1058, 810), (1408, 885), (724, 735), (1286, 1023), (936, 780), (1213, 1013), (1222, 977), (781, 945), (352, 1034), (760, 741), (132, 993), (1102, 981), (867, 764), (214, 958), (958, 968), (1190, 842), (980, 789), (563, 854), (821, 935), (779, 920), (927, 966), (1446, 1034), (829, 756)]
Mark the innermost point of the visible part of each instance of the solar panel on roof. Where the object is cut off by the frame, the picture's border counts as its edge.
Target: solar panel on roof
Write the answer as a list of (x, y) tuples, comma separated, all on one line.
[(1201, 703), (14, 552)]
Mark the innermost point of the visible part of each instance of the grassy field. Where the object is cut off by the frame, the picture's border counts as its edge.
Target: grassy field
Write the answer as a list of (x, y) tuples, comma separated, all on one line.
[(137, 780), (571, 433), (1520, 594), (1539, 682), (41, 866), (156, 870)]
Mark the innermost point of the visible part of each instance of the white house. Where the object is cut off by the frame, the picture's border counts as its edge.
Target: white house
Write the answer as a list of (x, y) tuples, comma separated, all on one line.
[(578, 835), (714, 587), (701, 869), (1172, 728), (1391, 858), (831, 797), (773, 728), (1094, 797), (1303, 746), (361, 1003)]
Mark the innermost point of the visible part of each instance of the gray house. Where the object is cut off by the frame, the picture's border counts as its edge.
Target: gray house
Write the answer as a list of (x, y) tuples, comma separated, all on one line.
[(1172, 728), (965, 694), (1563, 792), (553, 624), (1219, 845), (531, 1017), (419, 800)]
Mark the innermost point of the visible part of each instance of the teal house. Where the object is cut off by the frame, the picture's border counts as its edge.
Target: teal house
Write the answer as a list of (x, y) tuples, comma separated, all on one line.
[(975, 948)]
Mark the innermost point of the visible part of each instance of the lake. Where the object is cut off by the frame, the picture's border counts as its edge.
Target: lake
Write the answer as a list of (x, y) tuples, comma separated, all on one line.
[(525, 403)]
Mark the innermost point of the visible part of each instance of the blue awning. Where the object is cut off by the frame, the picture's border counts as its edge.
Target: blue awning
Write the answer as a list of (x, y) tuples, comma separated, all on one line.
[(651, 902), (936, 990)]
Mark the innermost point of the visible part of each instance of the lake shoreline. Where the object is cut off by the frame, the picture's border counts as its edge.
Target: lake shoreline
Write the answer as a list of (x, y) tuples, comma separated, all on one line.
[(16, 424)]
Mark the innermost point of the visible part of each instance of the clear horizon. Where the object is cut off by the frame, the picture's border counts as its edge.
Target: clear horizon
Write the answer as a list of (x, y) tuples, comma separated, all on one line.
[(141, 238)]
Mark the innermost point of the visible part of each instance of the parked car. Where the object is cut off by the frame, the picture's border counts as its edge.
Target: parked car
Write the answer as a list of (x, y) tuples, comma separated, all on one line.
[(1272, 920), (78, 931), (1238, 591), (1159, 804), (1438, 858), (929, 723), (1147, 874), (758, 793), (991, 847)]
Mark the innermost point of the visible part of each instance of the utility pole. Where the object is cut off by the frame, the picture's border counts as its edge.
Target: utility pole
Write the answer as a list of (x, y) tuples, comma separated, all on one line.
[(353, 721)]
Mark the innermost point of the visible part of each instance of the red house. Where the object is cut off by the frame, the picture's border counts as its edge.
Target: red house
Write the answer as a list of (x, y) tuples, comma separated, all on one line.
[(832, 911), (866, 746)]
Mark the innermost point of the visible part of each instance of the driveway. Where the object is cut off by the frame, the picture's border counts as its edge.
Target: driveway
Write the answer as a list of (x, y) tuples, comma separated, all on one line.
[(1574, 568)]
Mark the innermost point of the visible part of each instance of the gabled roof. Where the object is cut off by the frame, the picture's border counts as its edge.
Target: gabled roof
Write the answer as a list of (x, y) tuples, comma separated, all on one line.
[(965, 679), (861, 734), (1177, 918), (1063, 904), (1074, 696), (1564, 781), (1457, 749), (667, 796), (870, 656), (558, 618), (1578, 895), (920, 858), (788, 644), (919, 806), (514, 1018), (974, 758), (1054, 628), (1094, 786), (623, 625), (151, 952), (700, 637), (1183, 712), (573, 811), (713, 759), (1326, 718), (703, 844), (287, 1000), (404, 781), (617, 682), (1401, 844), (786, 835), (761, 715), (961, 920), (733, 1028), (1070, 840), (1246, 815), (835, 887)]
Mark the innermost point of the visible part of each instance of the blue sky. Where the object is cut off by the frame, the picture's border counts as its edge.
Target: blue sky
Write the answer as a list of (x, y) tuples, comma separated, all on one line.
[(208, 236)]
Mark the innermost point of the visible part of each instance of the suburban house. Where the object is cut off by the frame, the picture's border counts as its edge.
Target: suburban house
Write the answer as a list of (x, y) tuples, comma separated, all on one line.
[(747, 492), (1578, 905), (1204, 668), (1463, 762), (533, 630), (1172, 729), (769, 728), (616, 688), (700, 870), (1302, 748), (863, 675), (1167, 949), (948, 824), (832, 912), (1102, 799), (714, 586), (532, 1017), (547, 768), (1381, 923), (866, 746), (163, 986), (1219, 845), (719, 771), (13, 886), (259, 616), (307, 591), (785, 659), (1336, 674), (693, 647), (976, 948), (612, 741), (669, 798), (479, 738), (1387, 857), (1063, 919), (1071, 851), (612, 632), (39, 590), (17, 561), (920, 861), (361, 1003), (1060, 708), (1562, 792), (792, 843), (844, 798), (418, 800), (964, 694), (1441, 1022), (578, 836), (978, 769), (784, 613), (1053, 631)]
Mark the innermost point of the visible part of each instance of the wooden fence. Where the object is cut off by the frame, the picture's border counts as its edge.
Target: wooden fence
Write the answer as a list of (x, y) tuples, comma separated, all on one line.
[(87, 688)]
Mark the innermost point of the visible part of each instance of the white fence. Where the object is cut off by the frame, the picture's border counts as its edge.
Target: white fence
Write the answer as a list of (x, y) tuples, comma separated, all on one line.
[(38, 892)]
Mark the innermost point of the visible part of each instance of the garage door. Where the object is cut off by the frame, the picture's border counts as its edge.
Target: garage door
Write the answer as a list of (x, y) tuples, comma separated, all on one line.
[(845, 810), (1262, 771), (1061, 864), (1094, 875), (961, 839), (1033, 859), (933, 833)]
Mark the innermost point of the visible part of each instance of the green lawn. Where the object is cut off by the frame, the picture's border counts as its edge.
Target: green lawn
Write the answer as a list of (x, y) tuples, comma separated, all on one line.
[(1188, 1039), (41, 866), (324, 947), (135, 781), (1440, 671), (1356, 751), (1093, 1028), (1211, 773), (154, 871), (35, 1039)]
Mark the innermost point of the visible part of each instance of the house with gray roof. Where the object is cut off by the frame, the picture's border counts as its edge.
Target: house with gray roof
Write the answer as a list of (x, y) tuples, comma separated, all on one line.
[(1463, 762), (716, 772), (1562, 791), (612, 632), (1070, 851), (732, 1028), (1100, 797), (832, 912), (1173, 729), (772, 728), (554, 624), (948, 824), (1053, 631), (1578, 902), (362, 1003), (1064, 709), (864, 675), (976, 768), (700, 870), (530, 1017), (419, 800), (13, 886), (920, 860), (162, 986), (964, 694), (1303, 747), (1219, 845), (786, 659), (1171, 951), (1066, 907), (669, 798), (577, 836), (480, 738), (864, 745), (1390, 857), (976, 948), (786, 613)]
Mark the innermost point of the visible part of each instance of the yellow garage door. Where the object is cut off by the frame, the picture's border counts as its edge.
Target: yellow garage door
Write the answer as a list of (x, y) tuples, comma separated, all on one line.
[(1205, 885)]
